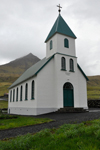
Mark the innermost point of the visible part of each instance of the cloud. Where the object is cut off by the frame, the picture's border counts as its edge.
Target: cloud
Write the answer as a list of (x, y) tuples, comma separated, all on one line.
[(25, 24)]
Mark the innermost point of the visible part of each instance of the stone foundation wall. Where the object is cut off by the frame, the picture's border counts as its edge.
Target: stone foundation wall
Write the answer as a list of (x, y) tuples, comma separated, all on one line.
[(94, 103)]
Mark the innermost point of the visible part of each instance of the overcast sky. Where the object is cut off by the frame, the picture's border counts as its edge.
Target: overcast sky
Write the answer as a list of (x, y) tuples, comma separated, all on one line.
[(25, 24)]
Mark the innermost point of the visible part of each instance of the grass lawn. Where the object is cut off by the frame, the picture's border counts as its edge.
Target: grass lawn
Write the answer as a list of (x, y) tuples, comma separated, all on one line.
[(3, 104), (21, 121), (84, 136)]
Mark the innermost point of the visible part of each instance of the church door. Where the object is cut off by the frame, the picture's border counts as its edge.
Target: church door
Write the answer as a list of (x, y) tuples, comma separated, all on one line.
[(68, 95)]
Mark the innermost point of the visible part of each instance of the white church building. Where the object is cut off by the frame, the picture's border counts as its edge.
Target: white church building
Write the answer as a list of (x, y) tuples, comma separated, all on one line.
[(55, 82)]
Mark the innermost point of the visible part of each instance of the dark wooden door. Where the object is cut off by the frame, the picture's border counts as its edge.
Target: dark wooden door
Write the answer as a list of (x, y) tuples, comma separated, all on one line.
[(68, 95)]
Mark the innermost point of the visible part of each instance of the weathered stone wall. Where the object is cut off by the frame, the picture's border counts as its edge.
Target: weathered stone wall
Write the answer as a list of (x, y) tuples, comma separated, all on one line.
[(94, 103)]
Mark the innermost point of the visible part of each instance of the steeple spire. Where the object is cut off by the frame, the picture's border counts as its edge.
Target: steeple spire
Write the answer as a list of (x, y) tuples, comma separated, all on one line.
[(59, 10), (61, 27)]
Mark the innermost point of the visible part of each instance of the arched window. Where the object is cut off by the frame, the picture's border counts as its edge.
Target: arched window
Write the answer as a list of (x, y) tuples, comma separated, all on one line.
[(13, 95), (26, 91), (32, 90), (17, 94), (63, 63), (51, 44), (21, 93), (67, 86), (71, 65), (10, 95), (66, 43)]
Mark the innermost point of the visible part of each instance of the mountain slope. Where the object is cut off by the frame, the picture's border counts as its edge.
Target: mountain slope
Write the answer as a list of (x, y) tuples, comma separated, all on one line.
[(94, 80), (11, 71), (19, 65)]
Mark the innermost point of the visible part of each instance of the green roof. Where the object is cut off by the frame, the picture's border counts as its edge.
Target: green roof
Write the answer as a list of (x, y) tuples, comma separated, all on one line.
[(32, 71), (82, 72), (60, 26)]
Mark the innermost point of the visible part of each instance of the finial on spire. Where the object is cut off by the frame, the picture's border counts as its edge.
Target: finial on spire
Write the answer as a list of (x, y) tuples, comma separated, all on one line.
[(59, 10)]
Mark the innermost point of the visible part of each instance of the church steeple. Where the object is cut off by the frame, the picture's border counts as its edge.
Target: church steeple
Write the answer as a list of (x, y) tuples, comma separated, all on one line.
[(60, 39), (60, 26)]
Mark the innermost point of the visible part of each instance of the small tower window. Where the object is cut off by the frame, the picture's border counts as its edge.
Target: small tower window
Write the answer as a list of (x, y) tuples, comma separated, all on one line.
[(17, 95), (63, 63), (32, 94), (51, 44), (71, 65), (26, 91), (21, 93), (66, 43)]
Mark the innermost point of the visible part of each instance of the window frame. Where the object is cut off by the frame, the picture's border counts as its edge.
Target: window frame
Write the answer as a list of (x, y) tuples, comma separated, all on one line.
[(26, 91), (66, 43), (51, 45), (63, 63), (71, 65), (17, 94), (21, 93), (32, 89), (13, 95)]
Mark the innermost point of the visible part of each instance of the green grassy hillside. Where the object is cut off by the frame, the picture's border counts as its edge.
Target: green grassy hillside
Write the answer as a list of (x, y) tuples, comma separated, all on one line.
[(93, 87), (5, 81)]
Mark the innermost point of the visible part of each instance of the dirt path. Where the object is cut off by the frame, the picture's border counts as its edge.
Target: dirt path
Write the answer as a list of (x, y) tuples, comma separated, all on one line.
[(59, 119)]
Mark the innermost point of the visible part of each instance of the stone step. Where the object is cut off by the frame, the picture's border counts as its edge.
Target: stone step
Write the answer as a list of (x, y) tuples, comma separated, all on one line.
[(71, 109)]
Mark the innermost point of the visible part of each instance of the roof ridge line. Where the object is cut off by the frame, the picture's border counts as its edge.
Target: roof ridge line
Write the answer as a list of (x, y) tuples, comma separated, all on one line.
[(57, 23), (82, 72)]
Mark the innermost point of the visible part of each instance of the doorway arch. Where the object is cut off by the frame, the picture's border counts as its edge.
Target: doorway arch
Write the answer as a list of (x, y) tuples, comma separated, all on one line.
[(68, 96)]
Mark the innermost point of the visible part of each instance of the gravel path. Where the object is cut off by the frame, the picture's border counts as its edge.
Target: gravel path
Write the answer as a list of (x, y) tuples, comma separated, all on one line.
[(59, 119)]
